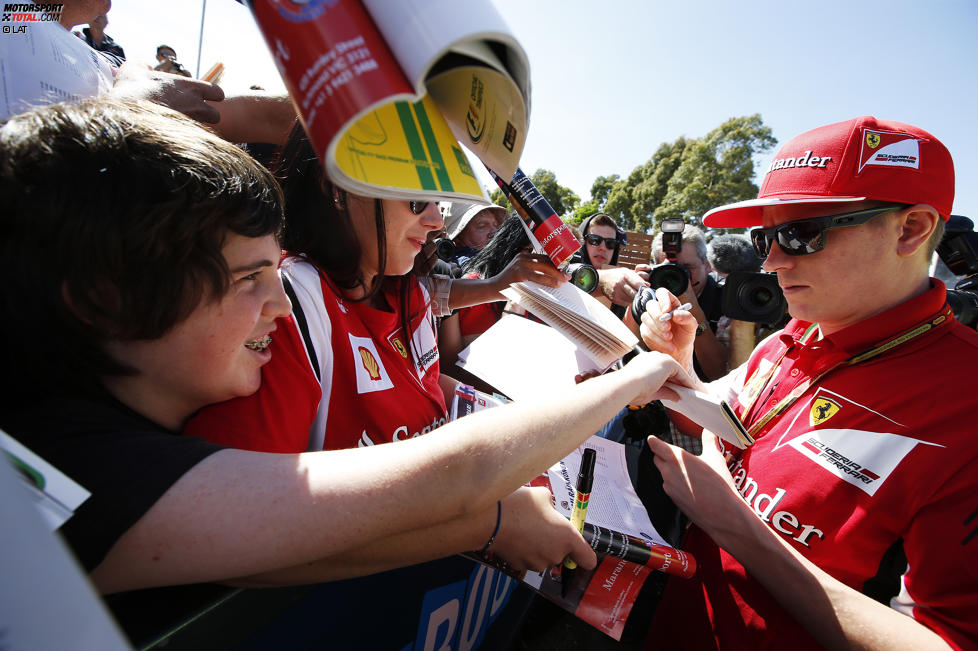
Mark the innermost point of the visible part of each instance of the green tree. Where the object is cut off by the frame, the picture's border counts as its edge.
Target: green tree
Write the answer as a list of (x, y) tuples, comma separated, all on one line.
[(601, 188), (498, 197), (583, 211), (563, 200), (716, 169), (687, 177)]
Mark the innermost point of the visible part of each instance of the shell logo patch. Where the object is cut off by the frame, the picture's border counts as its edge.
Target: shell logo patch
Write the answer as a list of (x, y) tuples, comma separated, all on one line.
[(369, 363), (822, 410)]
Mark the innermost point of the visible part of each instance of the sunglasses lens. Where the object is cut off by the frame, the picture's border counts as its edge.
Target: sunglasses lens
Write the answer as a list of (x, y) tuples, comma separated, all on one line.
[(796, 238), (801, 238), (762, 243), (418, 207), (596, 240)]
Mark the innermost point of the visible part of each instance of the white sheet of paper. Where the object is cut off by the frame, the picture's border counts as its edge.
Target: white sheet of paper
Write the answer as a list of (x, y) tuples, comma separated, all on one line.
[(614, 504), (522, 358), (704, 410), (47, 600), (55, 494)]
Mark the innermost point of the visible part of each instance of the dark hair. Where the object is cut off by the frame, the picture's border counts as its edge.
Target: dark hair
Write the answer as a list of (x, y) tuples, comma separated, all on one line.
[(504, 245), (160, 47), (601, 219), (733, 252), (114, 219), (316, 226), (319, 229)]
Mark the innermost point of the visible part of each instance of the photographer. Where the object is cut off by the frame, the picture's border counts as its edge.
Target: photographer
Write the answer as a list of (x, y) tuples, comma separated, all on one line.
[(166, 58), (704, 292), (730, 253), (850, 521)]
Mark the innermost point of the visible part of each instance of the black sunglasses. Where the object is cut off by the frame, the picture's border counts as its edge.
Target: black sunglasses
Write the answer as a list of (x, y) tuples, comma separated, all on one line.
[(808, 235), (594, 240), (418, 207)]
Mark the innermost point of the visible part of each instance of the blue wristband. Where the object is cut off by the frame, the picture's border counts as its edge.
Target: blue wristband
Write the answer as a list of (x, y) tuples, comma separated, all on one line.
[(499, 517)]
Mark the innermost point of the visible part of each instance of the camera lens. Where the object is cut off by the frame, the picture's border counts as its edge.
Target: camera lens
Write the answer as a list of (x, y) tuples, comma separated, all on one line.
[(671, 276), (445, 249), (760, 297), (583, 276), (749, 296), (964, 305)]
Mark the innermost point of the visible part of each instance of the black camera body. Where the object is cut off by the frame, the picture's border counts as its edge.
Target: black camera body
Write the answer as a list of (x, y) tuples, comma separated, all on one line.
[(669, 274), (444, 249), (753, 296), (959, 251)]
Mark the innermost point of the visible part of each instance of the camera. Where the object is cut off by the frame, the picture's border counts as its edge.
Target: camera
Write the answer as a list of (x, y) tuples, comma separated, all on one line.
[(753, 296), (444, 249), (959, 251), (669, 274), (584, 276)]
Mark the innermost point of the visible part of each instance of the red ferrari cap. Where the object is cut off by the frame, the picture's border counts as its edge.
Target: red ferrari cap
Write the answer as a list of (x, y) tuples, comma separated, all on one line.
[(859, 159)]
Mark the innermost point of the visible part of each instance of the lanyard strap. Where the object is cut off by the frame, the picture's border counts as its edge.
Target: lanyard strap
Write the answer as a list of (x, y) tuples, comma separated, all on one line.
[(942, 318)]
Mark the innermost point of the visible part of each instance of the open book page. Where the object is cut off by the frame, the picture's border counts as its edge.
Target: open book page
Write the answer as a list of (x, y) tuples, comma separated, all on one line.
[(579, 317), (524, 359), (710, 413)]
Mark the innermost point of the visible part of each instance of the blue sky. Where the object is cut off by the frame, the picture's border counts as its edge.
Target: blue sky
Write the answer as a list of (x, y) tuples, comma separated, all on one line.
[(613, 80)]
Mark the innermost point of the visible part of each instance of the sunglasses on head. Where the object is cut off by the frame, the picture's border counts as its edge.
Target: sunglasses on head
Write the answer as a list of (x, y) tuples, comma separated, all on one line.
[(418, 207), (595, 240), (808, 235)]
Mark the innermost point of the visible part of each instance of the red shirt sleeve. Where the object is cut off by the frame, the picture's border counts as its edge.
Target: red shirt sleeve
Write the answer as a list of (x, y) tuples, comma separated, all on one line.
[(257, 422)]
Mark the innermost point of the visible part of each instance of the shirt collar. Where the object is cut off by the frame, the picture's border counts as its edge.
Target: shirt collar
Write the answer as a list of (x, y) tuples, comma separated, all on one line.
[(860, 336)]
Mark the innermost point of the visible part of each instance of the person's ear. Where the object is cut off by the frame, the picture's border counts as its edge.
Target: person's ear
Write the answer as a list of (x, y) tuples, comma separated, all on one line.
[(916, 224)]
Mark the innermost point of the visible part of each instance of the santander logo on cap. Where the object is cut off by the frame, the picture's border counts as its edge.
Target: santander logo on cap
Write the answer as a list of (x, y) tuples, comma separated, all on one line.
[(858, 159)]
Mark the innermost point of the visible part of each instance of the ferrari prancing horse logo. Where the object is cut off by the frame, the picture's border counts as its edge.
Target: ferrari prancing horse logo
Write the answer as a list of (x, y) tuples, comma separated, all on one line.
[(822, 410), (872, 139)]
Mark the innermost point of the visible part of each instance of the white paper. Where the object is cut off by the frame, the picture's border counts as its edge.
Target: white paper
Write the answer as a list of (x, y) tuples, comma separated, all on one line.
[(524, 359), (579, 317), (48, 602), (54, 493), (46, 63), (704, 410), (613, 504)]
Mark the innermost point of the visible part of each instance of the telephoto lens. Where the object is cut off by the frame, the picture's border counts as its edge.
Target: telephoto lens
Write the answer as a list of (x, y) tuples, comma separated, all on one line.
[(963, 300), (750, 296), (584, 276), (671, 276)]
